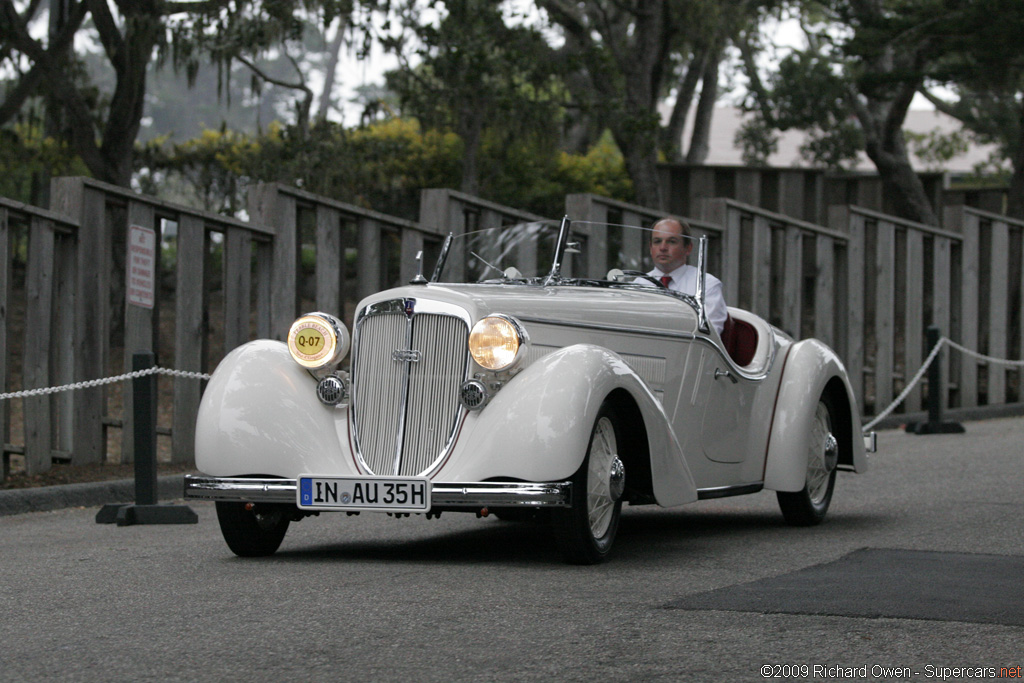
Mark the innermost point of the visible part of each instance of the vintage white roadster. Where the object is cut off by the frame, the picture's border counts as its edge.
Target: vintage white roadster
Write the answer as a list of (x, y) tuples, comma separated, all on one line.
[(506, 385)]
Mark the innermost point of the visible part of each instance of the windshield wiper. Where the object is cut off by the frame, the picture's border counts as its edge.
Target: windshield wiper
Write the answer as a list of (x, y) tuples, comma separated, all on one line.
[(488, 263)]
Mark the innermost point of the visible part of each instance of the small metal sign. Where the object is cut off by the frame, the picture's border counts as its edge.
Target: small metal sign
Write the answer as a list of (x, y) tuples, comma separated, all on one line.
[(141, 283)]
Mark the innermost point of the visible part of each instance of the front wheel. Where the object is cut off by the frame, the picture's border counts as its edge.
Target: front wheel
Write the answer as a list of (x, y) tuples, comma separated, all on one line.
[(255, 532), (808, 506), (587, 529)]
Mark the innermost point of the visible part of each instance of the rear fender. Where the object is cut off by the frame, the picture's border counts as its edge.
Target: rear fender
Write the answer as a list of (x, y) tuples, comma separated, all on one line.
[(811, 369), (537, 427)]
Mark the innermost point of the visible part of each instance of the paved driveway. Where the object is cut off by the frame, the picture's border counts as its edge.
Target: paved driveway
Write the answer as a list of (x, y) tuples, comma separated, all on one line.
[(916, 575)]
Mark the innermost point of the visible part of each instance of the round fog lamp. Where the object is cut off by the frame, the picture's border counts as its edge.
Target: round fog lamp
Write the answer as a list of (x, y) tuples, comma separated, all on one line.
[(495, 342)]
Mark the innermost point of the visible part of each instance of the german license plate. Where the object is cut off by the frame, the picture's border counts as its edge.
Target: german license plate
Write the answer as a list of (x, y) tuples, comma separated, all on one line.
[(400, 494)]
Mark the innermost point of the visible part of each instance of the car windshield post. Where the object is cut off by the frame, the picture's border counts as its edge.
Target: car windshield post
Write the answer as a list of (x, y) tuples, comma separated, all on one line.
[(556, 266), (442, 257), (702, 271)]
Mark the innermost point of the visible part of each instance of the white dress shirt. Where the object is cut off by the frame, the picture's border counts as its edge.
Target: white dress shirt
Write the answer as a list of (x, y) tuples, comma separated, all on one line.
[(684, 279)]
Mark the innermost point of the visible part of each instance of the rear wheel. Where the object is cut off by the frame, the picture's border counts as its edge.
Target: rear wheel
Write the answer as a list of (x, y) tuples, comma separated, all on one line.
[(257, 532), (587, 529), (809, 506)]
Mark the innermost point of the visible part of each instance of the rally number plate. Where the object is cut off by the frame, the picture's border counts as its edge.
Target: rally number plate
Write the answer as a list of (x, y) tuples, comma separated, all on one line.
[(401, 494)]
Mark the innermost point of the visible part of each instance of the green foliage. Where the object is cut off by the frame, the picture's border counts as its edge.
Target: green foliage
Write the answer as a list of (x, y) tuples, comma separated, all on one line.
[(30, 159), (936, 149), (382, 166), (757, 140)]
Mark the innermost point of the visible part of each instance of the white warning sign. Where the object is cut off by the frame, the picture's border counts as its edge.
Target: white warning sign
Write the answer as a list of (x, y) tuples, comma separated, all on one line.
[(141, 266)]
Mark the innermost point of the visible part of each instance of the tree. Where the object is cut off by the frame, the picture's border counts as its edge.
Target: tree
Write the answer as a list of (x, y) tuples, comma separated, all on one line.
[(631, 54), (102, 127), (866, 59), (983, 67), (623, 49), (474, 74)]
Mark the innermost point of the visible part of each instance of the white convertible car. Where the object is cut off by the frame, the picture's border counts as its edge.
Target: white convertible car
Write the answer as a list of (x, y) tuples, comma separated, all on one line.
[(506, 385)]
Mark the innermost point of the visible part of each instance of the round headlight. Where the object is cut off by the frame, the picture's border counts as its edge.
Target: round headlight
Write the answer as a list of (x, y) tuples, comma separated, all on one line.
[(496, 342), (317, 339)]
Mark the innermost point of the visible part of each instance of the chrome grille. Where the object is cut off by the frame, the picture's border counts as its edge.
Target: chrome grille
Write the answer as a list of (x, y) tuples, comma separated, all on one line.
[(405, 405)]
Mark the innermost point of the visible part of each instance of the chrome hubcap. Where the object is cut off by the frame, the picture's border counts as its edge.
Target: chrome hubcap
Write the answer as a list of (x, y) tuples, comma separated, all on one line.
[(823, 456)]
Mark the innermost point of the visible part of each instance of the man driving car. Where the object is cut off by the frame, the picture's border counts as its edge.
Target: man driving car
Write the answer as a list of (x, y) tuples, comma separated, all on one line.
[(670, 247)]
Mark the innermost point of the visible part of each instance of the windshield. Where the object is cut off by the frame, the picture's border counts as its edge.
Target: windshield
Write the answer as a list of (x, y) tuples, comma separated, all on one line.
[(552, 252)]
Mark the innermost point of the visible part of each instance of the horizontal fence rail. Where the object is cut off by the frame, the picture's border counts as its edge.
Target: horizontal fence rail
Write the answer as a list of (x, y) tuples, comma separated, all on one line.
[(864, 282)]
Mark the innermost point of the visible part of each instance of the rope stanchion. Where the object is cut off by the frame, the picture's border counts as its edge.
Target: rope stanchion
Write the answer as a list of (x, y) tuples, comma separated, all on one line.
[(935, 424), (146, 510)]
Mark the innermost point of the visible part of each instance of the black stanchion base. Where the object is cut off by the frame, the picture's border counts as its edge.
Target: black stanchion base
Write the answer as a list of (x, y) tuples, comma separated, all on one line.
[(126, 515), (935, 428)]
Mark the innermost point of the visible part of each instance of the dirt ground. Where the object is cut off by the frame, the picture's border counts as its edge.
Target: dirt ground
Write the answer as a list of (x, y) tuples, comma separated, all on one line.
[(77, 474)]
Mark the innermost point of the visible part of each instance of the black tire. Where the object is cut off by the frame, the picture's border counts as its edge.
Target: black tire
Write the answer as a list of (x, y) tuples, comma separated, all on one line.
[(252, 533), (809, 506), (586, 530)]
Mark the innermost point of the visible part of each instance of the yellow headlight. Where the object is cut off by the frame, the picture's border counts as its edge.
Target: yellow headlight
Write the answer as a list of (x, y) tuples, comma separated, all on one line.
[(495, 342), (317, 339)]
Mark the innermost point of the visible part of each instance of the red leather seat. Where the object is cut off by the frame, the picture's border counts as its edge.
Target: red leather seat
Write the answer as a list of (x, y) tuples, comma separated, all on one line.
[(740, 340)]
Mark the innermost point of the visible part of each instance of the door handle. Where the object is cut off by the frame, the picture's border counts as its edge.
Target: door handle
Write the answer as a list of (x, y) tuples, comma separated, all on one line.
[(719, 372)]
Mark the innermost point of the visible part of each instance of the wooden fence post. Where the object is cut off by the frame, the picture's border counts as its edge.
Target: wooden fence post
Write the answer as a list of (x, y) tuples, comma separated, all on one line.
[(190, 332), (36, 356)]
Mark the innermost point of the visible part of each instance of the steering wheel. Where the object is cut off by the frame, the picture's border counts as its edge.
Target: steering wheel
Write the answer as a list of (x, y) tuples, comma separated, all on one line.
[(650, 278)]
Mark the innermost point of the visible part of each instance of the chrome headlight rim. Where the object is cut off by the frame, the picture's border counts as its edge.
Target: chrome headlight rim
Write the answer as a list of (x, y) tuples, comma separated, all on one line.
[(335, 336), (522, 340)]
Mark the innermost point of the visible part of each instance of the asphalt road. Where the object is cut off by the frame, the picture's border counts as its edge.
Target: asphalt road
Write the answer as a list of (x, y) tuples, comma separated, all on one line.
[(918, 566)]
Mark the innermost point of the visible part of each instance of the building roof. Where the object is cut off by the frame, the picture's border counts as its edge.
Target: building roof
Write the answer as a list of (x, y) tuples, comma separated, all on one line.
[(727, 120)]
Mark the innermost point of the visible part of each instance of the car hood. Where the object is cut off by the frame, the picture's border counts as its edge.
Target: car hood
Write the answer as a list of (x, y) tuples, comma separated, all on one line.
[(636, 309)]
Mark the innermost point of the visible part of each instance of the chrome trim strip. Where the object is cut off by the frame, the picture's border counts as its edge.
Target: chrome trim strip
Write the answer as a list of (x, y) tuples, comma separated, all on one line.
[(240, 489), (443, 494), (608, 328), (743, 373), (725, 491), (404, 399)]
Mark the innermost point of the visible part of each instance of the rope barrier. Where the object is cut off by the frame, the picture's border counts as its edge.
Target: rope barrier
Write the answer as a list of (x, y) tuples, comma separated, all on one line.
[(87, 384), (944, 341)]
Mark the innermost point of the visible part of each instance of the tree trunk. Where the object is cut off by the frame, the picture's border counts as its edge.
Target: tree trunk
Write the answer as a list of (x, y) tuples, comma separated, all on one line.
[(331, 70), (641, 158), (700, 140), (470, 130), (672, 140)]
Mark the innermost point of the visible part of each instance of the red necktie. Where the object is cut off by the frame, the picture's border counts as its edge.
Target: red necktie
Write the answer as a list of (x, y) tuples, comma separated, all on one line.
[(666, 279)]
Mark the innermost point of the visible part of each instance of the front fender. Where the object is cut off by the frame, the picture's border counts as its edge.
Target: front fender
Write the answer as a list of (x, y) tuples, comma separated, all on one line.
[(260, 415), (537, 427), (810, 369)]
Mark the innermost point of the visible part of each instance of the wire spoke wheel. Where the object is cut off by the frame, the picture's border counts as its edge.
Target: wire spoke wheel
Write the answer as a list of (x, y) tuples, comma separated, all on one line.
[(587, 529)]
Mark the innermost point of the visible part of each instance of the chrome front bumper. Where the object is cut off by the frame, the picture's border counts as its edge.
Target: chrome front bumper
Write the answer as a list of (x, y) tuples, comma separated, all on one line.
[(442, 495)]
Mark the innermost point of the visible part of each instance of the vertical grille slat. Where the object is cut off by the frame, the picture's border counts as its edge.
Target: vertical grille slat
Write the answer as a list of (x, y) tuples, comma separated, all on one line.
[(431, 409)]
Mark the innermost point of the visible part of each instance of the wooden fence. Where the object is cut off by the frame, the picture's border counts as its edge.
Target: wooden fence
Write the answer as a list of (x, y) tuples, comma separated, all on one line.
[(46, 243), (865, 283), (104, 214)]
